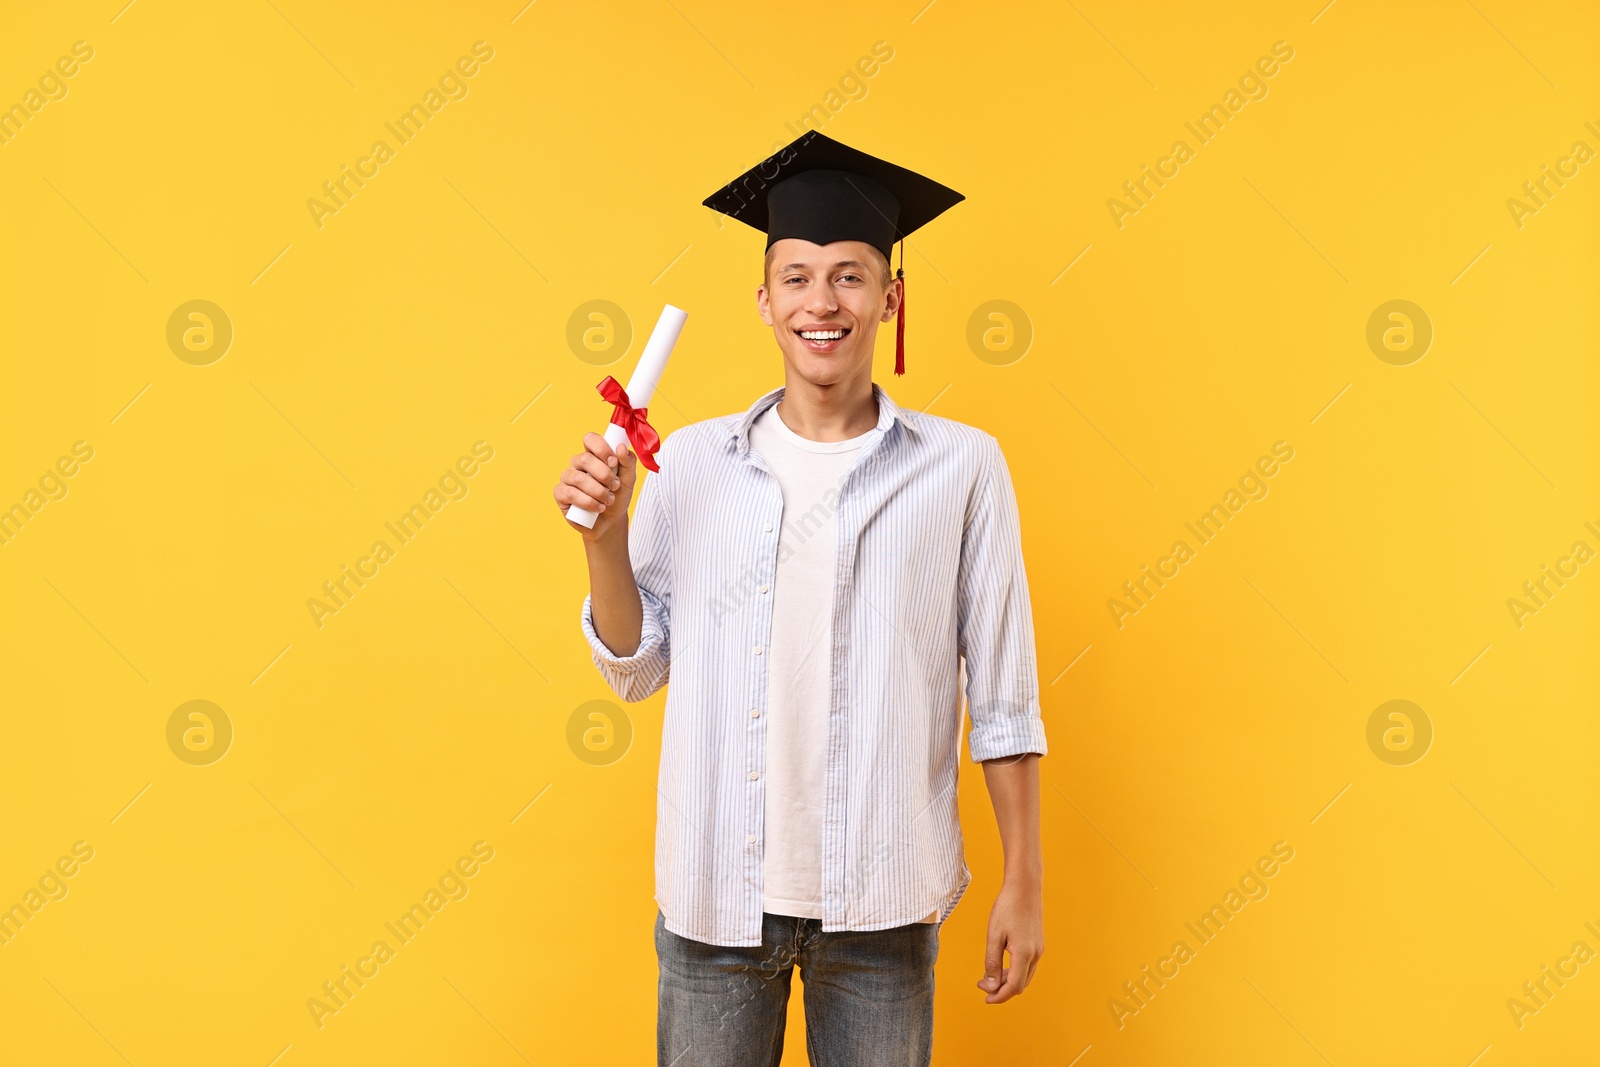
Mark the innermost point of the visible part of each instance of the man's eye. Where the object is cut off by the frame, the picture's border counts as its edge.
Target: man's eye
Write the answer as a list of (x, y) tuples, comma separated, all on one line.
[(856, 277)]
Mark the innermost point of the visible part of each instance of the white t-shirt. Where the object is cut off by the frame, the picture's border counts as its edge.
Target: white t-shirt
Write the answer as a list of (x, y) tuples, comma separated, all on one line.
[(799, 660)]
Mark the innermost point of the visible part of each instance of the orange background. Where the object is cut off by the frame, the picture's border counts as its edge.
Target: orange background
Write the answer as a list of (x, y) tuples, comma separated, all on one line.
[(1164, 357)]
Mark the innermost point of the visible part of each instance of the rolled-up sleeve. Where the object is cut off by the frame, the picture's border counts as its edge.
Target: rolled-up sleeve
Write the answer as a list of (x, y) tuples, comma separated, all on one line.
[(637, 676), (995, 621)]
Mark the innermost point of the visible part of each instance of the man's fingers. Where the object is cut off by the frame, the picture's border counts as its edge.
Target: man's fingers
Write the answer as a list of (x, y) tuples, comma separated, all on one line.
[(992, 986), (993, 963), (1013, 984), (628, 466), (1017, 976), (586, 483), (599, 447), (1002, 981), (566, 496), (578, 488), (597, 469)]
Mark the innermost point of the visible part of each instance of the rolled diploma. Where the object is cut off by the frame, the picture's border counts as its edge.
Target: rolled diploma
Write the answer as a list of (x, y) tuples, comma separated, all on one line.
[(641, 387)]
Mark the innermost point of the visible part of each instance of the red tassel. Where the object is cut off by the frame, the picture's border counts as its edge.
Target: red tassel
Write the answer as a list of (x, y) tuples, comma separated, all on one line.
[(900, 322)]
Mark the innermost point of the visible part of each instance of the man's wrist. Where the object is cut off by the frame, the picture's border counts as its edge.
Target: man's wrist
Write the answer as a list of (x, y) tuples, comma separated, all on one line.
[(1024, 878), (603, 540)]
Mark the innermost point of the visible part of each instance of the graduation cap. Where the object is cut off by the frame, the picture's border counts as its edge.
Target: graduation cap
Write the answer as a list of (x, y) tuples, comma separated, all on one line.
[(822, 191)]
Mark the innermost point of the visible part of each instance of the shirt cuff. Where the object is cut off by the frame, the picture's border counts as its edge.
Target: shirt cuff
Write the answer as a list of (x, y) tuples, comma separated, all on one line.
[(651, 637), (998, 738)]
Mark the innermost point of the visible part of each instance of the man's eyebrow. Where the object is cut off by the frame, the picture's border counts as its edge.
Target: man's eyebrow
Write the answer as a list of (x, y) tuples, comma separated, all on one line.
[(841, 263)]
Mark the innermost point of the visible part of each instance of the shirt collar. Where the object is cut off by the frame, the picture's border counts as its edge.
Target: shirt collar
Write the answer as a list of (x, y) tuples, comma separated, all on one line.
[(888, 414)]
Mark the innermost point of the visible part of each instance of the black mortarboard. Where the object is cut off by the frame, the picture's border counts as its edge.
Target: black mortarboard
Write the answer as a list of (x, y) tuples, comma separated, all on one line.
[(822, 191)]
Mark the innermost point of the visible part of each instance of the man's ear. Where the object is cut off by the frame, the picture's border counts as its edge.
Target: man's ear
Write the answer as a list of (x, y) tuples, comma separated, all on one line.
[(762, 306), (892, 297)]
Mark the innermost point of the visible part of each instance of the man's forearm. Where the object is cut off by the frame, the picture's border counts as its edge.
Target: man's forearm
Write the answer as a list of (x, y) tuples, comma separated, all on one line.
[(1014, 790), (614, 594)]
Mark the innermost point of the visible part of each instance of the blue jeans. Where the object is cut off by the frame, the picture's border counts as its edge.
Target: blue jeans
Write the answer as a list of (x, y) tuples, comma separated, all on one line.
[(868, 999)]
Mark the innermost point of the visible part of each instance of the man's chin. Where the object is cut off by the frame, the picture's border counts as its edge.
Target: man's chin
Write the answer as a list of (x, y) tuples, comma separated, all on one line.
[(824, 369)]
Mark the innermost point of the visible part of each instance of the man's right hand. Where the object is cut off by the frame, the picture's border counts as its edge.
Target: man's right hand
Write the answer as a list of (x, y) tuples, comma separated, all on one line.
[(601, 481)]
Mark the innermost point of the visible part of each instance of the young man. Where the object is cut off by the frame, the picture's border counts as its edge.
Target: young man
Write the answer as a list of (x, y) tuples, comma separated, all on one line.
[(812, 573)]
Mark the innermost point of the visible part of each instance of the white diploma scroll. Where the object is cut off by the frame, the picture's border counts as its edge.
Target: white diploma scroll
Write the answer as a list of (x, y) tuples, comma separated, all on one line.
[(641, 387)]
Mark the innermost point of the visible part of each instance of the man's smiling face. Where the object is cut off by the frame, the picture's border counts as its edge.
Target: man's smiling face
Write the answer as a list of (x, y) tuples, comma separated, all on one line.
[(824, 304)]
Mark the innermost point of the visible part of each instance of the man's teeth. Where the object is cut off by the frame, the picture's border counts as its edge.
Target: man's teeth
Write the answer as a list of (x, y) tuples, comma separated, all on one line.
[(822, 335)]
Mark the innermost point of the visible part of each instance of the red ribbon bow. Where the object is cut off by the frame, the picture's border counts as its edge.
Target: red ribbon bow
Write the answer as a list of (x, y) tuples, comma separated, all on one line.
[(641, 435)]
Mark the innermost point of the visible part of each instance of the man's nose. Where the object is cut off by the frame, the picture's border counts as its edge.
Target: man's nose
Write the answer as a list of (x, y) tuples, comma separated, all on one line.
[(820, 299)]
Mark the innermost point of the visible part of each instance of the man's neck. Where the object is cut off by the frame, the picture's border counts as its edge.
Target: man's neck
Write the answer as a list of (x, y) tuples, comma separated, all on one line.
[(835, 412)]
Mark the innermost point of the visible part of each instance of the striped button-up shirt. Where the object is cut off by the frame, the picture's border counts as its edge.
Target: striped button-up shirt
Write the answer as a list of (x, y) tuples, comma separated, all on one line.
[(930, 586)]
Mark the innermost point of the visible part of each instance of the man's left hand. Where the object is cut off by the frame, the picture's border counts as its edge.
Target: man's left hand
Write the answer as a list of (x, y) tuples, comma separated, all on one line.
[(1016, 925)]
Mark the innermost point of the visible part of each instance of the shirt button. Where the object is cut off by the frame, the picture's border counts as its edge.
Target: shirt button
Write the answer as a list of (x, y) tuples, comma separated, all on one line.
[(763, 589), (751, 839), (755, 713), (758, 650), (769, 527), (753, 776)]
